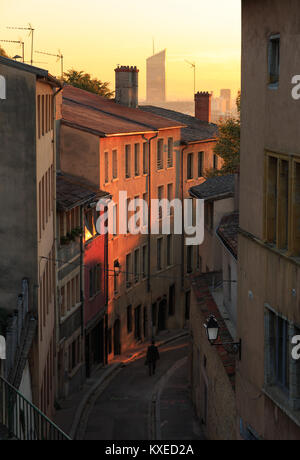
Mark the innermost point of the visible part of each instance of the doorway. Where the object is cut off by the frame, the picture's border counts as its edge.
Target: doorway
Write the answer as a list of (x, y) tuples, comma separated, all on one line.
[(162, 314), (137, 323), (117, 337)]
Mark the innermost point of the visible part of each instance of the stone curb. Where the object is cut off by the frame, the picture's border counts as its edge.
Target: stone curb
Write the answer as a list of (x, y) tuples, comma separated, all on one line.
[(111, 370), (109, 373), (156, 396)]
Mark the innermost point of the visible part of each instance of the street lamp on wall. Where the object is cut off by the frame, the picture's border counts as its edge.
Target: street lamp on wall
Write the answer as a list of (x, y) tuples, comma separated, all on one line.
[(212, 330), (117, 268)]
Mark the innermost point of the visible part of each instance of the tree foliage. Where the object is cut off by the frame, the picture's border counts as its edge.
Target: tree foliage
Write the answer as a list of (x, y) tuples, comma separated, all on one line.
[(228, 144), (3, 52), (82, 80)]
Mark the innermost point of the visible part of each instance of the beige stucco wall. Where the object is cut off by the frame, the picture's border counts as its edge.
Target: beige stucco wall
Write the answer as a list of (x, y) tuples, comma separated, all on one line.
[(269, 120), (44, 161), (221, 412), (271, 279), (76, 147), (268, 117)]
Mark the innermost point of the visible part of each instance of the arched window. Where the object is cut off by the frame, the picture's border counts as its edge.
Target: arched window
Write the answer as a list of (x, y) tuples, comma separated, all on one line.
[(2, 87), (2, 348)]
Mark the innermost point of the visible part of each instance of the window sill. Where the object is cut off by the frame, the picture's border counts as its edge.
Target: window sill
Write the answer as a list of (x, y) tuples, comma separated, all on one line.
[(90, 299), (74, 371), (273, 86), (70, 313), (281, 400)]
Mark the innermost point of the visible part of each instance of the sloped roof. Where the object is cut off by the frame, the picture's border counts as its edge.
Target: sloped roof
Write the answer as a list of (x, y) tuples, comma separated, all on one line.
[(214, 188), (105, 117), (228, 232), (96, 122), (40, 73), (195, 129), (73, 191)]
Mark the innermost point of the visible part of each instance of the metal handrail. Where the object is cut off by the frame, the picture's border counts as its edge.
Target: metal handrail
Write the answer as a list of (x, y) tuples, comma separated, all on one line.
[(23, 419)]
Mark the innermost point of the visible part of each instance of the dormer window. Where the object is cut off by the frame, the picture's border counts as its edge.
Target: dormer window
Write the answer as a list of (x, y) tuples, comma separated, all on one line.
[(2, 87)]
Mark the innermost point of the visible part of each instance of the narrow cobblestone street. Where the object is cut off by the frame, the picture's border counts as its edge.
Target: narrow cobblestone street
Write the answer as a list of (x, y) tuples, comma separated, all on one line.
[(124, 411)]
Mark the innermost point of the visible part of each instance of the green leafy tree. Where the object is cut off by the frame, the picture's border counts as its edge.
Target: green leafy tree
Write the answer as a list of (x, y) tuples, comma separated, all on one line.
[(82, 80), (228, 144), (3, 52)]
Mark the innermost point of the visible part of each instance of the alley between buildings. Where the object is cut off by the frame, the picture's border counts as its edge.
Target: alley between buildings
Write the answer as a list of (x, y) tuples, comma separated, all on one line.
[(137, 407)]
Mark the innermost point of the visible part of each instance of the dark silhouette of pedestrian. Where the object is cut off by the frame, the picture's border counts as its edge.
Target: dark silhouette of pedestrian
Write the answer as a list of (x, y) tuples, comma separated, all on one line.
[(152, 357)]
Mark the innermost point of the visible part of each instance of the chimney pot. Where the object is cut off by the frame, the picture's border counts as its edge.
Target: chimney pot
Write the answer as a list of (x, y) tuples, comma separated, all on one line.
[(203, 106), (127, 85)]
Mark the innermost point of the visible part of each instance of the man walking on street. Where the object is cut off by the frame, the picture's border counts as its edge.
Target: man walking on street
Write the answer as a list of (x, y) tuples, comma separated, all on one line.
[(152, 357)]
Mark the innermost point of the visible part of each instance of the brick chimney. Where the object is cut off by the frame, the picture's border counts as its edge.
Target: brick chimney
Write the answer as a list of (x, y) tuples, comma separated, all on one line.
[(203, 106), (127, 86)]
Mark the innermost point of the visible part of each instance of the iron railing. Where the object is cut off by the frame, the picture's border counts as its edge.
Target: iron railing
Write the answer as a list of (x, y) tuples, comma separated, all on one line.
[(23, 420)]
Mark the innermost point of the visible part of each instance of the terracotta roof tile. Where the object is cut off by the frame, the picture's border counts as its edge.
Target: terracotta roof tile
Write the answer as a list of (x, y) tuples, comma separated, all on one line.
[(106, 117), (195, 130), (98, 123), (215, 188), (228, 232), (73, 191)]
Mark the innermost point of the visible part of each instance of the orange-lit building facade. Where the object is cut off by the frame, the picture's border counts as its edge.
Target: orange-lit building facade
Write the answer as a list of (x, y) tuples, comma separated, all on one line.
[(115, 147)]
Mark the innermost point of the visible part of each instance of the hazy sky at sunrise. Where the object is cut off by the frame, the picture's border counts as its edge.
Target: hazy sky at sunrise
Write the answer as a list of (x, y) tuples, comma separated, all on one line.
[(96, 35)]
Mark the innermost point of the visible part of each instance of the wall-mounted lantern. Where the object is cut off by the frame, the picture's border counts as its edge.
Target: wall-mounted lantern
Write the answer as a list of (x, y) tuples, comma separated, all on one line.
[(117, 268), (212, 330)]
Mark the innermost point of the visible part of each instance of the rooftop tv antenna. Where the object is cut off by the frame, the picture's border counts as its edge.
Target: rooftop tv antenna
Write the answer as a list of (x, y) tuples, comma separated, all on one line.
[(20, 43), (59, 57), (193, 65), (31, 34)]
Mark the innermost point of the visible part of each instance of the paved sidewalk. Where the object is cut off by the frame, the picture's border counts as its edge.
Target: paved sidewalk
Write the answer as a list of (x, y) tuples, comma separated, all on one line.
[(68, 417)]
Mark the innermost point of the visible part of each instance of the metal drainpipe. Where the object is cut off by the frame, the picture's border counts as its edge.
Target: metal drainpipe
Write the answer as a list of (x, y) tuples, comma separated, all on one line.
[(182, 218), (106, 301), (81, 271), (56, 296)]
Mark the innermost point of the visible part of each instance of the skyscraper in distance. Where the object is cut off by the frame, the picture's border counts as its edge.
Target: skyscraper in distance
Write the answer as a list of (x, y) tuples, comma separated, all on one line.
[(226, 95), (156, 78)]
